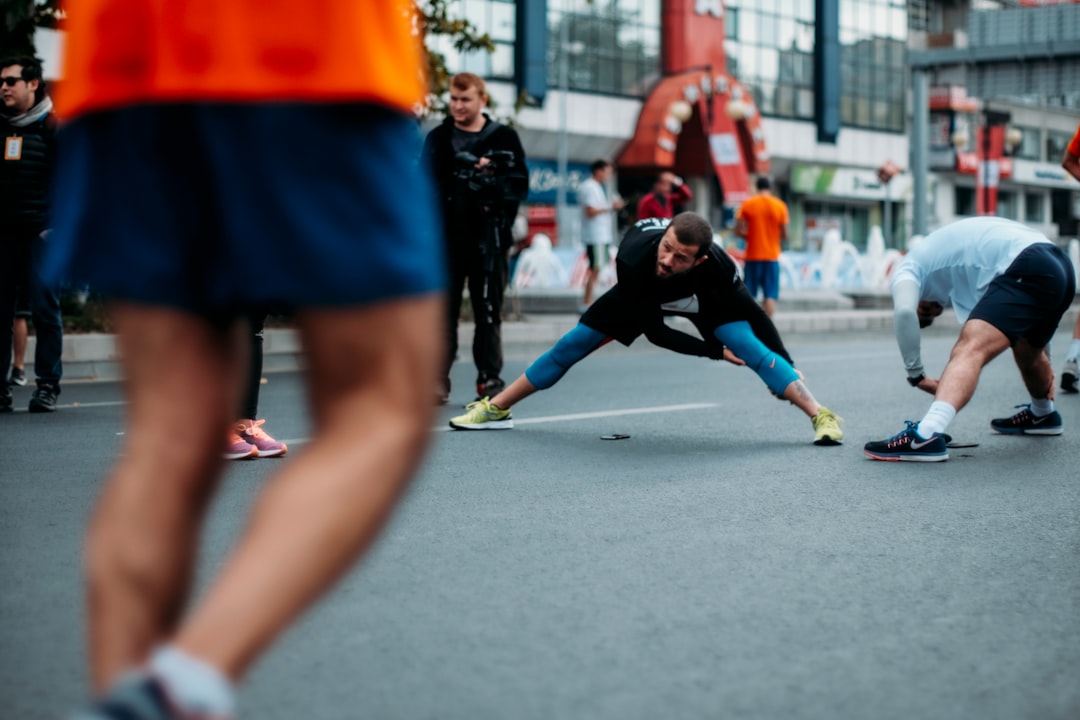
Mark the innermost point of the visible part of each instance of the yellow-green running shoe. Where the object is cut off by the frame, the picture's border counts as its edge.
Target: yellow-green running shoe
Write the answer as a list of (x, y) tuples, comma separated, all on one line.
[(827, 427), (482, 415)]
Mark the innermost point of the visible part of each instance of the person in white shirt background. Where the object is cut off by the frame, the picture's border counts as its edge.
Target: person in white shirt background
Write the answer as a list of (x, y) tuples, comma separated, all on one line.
[(598, 225)]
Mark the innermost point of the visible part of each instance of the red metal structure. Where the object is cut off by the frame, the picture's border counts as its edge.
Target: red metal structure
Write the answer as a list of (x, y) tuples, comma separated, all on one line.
[(698, 120)]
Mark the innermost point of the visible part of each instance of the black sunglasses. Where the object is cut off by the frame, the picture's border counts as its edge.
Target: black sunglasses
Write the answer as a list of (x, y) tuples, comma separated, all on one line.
[(10, 80)]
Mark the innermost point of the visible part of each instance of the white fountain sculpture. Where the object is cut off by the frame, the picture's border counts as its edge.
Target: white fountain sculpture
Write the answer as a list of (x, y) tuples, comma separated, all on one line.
[(878, 262), (840, 265), (539, 267), (790, 272), (834, 250)]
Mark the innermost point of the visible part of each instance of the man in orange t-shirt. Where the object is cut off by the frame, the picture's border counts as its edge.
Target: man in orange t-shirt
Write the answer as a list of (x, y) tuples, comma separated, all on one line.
[(762, 221)]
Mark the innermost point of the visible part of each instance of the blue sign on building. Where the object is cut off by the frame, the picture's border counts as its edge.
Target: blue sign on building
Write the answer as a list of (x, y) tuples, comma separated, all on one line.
[(544, 181)]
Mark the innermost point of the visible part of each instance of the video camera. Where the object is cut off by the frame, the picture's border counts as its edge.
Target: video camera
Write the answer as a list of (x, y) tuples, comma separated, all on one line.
[(490, 183)]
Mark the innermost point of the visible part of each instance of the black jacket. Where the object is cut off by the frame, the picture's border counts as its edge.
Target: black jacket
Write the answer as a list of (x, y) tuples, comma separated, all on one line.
[(24, 183), (464, 213), (715, 286)]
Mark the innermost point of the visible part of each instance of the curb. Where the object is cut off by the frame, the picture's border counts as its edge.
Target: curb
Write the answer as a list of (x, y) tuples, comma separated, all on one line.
[(93, 356)]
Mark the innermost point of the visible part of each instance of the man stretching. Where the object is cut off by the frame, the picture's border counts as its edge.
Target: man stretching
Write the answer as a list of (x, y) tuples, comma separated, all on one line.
[(669, 267), (1009, 286)]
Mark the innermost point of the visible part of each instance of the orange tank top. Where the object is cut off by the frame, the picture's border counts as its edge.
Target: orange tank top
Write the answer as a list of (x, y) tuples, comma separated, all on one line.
[(123, 52)]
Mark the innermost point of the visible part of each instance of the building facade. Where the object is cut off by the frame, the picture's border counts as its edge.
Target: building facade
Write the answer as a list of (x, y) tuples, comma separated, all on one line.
[(604, 57)]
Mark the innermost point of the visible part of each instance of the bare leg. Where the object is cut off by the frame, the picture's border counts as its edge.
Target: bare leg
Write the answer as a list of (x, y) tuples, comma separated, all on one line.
[(1035, 369), (514, 393), (979, 343), (370, 377), (800, 396), (770, 306), (142, 540), (18, 344), (590, 285)]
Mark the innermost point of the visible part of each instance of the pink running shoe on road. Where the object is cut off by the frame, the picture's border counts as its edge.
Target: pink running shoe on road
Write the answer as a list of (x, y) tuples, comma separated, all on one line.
[(252, 433), (237, 449)]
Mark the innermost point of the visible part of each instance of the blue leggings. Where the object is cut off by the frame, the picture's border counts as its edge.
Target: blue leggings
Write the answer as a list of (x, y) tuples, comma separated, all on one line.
[(770, 367), (549, 368)]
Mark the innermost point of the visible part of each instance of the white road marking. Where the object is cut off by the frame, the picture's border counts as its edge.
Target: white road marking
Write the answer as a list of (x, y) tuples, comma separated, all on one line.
[(572, 416)]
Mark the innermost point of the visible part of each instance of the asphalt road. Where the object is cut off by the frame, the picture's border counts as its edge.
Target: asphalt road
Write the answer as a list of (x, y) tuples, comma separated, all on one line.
[(715, 564)]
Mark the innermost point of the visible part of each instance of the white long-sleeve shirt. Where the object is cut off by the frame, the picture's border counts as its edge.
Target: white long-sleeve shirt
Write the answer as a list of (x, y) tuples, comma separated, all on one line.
[(953, 266)]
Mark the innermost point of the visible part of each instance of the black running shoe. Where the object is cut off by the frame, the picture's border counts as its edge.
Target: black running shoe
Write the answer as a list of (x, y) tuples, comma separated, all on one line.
[(909, 447), (136, 698), (44, 398), (17, 376), (1026, 423)]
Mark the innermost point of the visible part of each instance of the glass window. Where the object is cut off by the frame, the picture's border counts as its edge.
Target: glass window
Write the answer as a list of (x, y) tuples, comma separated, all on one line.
[(786, 30), (964, 201), (1006, 205), (862, 111), (1034, 208), (502, 61), (772, 43), (502, 22), (1056, 142), (1030, 144), (614, 46), (769, 64), (785, 100), (804, 103), (768, 29)]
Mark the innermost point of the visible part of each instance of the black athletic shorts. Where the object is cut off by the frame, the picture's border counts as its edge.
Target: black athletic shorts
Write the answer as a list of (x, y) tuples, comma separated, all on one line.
[(1029, 298), (22, 301)]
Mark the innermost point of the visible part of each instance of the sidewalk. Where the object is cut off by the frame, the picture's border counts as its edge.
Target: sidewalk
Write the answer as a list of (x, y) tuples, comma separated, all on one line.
[(93, 356)]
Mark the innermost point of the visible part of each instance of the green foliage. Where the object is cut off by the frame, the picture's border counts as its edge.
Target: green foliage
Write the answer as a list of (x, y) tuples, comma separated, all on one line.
[(21, 18), (436, 21)]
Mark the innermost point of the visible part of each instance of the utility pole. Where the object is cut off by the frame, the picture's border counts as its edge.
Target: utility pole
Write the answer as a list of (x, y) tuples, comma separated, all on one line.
[(562, 151)]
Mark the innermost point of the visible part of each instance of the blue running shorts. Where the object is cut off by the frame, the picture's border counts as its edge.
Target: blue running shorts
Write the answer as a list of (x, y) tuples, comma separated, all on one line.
[(762, 275), (218, 208)]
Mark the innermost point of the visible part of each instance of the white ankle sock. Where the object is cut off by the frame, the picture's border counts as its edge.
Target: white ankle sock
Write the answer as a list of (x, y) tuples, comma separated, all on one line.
[(1041, 407), (1074, 350), (937, 418), (196, 686)]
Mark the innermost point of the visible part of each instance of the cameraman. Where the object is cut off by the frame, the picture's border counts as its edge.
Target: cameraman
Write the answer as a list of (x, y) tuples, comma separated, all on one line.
[(479, 202)]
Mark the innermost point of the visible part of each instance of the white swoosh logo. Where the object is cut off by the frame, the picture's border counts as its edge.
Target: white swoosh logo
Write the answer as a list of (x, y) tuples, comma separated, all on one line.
[(916, 445)]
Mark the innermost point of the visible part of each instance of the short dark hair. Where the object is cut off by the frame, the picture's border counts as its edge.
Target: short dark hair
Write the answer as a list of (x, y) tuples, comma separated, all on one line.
[(31, 70), (599, 164), (764, 183), (692, 229)]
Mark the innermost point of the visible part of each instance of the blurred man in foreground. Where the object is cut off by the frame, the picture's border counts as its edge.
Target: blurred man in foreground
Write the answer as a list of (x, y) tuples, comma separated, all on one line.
[(270, 174)]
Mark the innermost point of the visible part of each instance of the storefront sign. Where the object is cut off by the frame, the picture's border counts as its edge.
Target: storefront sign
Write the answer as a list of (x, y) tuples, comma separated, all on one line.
[(1045, 174), (544, 181), (847, 182)]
